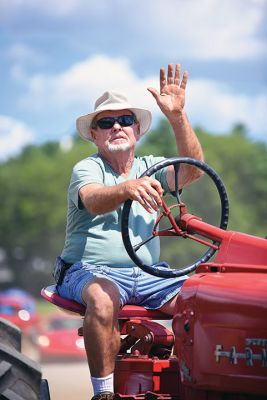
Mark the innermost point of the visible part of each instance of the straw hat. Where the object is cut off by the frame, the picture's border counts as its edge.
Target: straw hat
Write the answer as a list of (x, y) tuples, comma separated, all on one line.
[(111, 100)]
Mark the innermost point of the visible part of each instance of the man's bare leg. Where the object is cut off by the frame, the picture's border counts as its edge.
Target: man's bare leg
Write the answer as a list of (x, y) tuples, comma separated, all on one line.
[(169, 307), (101, 331)]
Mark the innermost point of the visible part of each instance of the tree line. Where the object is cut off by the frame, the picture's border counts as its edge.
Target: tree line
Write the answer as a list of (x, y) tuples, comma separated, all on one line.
[(34, 198)]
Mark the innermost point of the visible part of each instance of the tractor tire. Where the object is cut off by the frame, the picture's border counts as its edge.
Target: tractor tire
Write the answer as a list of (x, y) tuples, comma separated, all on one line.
[(10, 335), (44, 390), (20, 377)]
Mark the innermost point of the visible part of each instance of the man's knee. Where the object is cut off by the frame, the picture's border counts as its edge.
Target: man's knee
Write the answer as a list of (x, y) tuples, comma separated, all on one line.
[(102, 299)]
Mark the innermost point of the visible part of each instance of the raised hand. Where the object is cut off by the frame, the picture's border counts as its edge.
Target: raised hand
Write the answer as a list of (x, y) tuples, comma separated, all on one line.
[(171, 98)]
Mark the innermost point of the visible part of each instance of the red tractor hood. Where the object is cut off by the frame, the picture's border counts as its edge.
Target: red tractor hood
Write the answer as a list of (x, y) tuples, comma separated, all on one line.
[(221, 329)]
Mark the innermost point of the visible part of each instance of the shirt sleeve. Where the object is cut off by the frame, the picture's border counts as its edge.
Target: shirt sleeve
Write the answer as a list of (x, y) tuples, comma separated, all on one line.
[(160, 175), (84, 172)]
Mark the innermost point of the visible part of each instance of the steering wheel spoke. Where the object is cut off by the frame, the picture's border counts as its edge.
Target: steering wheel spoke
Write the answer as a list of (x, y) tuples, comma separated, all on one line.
[(167, 232), (137, 246)]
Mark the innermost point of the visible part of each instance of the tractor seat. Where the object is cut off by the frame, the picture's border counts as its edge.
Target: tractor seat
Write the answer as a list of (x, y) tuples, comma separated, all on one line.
[(50, 294)]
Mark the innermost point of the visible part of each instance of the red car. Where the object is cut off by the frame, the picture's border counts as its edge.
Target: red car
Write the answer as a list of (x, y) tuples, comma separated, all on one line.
[(19, 309), (59, 339)]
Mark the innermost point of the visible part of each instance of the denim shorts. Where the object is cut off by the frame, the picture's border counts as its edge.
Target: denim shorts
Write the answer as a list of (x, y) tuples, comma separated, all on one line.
[(135, 286)]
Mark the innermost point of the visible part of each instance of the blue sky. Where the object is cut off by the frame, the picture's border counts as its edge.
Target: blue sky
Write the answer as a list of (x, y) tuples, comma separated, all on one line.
[(58, 56)]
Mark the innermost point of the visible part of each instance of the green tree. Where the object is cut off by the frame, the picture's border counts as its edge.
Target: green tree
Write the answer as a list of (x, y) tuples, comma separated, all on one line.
[(33, 207)]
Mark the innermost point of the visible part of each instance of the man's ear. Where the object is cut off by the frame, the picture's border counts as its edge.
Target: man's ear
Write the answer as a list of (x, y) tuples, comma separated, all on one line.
[(138, 135), (93, 134)]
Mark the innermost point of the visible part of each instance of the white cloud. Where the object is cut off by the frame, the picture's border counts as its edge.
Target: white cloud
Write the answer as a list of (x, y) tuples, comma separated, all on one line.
[(206, 30), (14, 135), (216, 108), (60, 98), (82, 83), (198, 29), (209, 29), (209, 104)]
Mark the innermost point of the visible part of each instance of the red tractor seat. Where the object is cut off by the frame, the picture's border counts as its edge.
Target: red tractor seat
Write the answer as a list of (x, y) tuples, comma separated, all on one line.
[(127, 312)]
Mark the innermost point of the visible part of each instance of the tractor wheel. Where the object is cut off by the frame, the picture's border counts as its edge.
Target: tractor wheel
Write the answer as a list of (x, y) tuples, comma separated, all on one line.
[(20, 377), (10, 335), (44, 390)]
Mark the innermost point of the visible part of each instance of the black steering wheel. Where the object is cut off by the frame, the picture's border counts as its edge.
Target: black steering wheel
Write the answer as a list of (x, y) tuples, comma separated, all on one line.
[(157, 269)]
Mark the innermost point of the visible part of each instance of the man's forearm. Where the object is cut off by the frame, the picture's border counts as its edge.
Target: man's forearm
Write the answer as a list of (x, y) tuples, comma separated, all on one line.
[(188, 145), (186, 140), (99, 199), (103, 199)]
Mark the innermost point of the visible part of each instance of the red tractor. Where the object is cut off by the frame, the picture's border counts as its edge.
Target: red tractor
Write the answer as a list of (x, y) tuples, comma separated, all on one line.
[(217, 347)]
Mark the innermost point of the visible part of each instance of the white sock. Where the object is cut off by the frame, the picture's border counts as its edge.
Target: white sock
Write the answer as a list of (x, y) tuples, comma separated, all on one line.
[(103, 384)]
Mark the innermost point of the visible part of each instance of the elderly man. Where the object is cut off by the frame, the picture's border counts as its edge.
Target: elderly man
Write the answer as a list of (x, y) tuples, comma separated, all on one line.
[(100, 273)]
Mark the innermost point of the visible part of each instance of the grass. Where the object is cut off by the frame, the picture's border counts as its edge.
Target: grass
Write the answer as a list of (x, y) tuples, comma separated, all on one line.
[(44, 308)]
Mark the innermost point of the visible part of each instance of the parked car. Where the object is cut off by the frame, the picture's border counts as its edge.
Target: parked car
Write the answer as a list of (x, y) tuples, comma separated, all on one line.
[(59, 340), (19, 307)]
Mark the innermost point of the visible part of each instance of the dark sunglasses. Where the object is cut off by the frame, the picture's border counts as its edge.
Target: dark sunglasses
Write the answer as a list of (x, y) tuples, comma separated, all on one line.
[(108, 122)]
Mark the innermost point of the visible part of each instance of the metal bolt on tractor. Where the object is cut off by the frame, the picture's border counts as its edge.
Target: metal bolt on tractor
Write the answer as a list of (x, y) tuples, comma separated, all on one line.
[(217, 349)]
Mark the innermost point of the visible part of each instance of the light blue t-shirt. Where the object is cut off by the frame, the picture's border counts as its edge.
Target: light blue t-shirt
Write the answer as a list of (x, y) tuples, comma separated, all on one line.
[(97, 238)]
